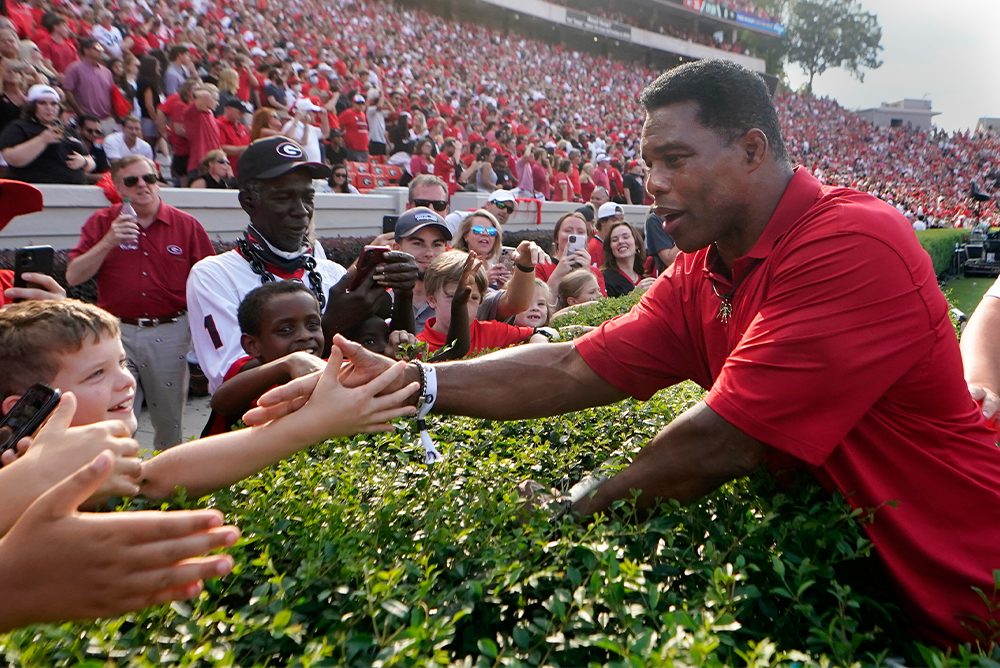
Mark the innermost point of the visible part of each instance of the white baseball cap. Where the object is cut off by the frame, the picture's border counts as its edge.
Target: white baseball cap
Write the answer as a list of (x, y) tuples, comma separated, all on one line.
[(502, 196), (609, 209), (305, 104), (42, 92), (603, 158)]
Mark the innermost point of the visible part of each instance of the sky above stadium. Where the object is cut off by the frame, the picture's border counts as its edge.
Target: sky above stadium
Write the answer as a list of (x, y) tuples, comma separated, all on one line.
[(941, 51)]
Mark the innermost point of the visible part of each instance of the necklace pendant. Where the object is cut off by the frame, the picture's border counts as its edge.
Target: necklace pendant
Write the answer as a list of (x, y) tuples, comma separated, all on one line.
[(725, 310)]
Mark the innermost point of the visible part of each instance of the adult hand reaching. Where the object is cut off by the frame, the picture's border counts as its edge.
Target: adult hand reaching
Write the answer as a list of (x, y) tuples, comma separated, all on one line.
[(66, 565), (47, 288)]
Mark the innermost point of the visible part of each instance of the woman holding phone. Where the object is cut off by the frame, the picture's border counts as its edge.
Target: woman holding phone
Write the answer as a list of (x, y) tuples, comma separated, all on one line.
[(569, 252)]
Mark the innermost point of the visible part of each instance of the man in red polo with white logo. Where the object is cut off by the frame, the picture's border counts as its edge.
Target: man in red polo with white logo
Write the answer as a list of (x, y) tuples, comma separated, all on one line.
[(444, 165), (144, 285)]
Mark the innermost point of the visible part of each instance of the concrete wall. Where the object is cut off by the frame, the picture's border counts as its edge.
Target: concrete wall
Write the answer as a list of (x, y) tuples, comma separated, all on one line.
[(67, 207)]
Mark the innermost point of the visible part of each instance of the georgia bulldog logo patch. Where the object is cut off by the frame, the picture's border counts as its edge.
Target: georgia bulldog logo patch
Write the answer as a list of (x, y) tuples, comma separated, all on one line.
[(174, 250), (289, 150)]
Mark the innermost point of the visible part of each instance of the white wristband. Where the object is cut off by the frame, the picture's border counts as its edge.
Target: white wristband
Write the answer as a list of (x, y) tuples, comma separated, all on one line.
[(429, 396)]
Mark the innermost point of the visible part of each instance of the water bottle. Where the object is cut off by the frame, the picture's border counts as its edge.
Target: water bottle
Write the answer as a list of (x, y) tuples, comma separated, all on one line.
[(127, 210)]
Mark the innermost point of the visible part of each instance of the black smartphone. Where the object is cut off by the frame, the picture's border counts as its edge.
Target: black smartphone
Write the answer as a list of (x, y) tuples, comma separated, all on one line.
[(389, 224), (27, 415), (370, 257), (32, 259)]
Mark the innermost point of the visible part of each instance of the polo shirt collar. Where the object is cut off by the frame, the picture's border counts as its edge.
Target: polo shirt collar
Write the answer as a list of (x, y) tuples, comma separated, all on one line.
[(800, 195), (164, 214)]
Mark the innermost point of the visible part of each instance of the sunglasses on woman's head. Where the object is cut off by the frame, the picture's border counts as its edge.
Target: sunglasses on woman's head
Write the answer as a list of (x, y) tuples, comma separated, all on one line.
[(131, 181), (438, 205), (480, 230)]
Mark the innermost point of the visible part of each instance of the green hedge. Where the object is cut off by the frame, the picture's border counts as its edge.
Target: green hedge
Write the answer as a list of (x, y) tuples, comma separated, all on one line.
[(940, 245), (356, 554)]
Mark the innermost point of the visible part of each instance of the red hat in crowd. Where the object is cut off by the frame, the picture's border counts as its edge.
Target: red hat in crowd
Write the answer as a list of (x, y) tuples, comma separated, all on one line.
[(18, 198)]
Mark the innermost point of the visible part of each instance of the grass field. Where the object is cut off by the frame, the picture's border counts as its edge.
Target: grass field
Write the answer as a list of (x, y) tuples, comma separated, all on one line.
[(965, 293)]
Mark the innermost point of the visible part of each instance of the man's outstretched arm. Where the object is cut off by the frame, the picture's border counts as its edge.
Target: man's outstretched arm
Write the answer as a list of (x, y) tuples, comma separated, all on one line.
[(689, 458)]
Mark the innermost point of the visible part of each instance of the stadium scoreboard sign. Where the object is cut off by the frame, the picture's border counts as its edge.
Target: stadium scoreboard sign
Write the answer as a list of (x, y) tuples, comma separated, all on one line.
[(596, 24), (718, 11)]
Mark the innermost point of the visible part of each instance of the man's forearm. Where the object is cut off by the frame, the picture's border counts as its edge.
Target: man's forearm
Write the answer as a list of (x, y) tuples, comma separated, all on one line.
[(84, 267), (689, 458), (554, 379), (981, 346)]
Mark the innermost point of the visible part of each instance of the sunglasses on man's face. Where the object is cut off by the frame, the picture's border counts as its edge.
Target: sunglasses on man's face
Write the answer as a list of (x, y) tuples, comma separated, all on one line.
[(132, 181), (438, 205), (506, 206), (480, 230)]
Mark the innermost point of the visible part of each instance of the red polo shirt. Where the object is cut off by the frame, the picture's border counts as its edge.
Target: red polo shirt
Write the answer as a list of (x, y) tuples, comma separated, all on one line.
[(444, 168), (149, 282), (6, 281), (232, 134), (483, 335), (355, 126), (841, 357)]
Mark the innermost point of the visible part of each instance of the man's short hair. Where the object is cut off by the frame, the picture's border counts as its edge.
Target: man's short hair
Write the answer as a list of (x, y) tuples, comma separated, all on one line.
[(127, 160), (35, 334), (447, 268), (731, 99), (176, 51), (87, 118), (250, 309), (427, 180), (131, 118), (84, 44)]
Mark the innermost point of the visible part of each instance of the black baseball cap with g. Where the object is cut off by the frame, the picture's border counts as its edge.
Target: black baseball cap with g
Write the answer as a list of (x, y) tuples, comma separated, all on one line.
[(273, 157), (416, 219)]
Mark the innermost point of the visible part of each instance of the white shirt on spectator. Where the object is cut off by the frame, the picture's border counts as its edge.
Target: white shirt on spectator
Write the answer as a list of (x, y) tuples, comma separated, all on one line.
[(307, 136), (376, 124), (116, 148), (111, 38)]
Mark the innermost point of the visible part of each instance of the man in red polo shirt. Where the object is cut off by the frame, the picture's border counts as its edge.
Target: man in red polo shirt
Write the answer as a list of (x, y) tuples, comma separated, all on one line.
[(813, 318), (145, 287), (200, 125), (233, 135), (444, 165)]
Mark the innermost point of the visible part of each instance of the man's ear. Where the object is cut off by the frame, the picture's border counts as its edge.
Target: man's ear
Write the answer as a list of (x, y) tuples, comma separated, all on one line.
[(755, 144), (250, 345), (246, 201), (9, 402)]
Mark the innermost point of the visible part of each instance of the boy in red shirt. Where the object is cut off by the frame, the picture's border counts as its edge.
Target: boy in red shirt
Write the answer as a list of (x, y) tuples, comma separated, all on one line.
[(452, 306)]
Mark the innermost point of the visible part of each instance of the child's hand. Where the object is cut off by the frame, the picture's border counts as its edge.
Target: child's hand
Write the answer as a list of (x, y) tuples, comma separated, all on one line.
[(464, 291), (300, 364), (402, 345), (334, 410), (58, 449), (69, 565)]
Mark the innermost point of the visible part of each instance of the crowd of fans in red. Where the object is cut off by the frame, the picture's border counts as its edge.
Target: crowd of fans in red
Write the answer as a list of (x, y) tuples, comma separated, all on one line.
[(363, 77)]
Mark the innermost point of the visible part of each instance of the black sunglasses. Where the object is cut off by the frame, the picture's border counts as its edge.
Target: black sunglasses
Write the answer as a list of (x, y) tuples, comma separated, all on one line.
[(438, 205), (342, 175), (506, 206), (131, 181)]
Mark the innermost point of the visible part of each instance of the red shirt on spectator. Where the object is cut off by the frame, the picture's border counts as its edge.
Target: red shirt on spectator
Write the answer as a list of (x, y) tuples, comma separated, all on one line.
[(616, 182), (62, 54), (483, 335), (544, 272), (444, 168), (574, 178), (232, 134), (852, 373), (175, 109), (149, 282), (246, 81), (355, 127), (202, 133), (557, 192), (6, 281)]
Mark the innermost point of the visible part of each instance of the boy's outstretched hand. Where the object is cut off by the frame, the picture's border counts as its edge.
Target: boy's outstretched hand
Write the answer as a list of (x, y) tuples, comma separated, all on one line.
[(328, 406), (62, 564)]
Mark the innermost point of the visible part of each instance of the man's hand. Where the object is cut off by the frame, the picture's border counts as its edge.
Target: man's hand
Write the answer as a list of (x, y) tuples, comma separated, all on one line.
[(47, 288), (397, 271), (124, 229), (989, 401), (345, 309), (361, 368), (65, 565), (58, 449), (402, 339)]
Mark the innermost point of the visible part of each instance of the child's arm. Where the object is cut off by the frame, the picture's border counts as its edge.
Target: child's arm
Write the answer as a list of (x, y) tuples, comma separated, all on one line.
[(237, 394), (203, 466), (459, 337), (397, 341)]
